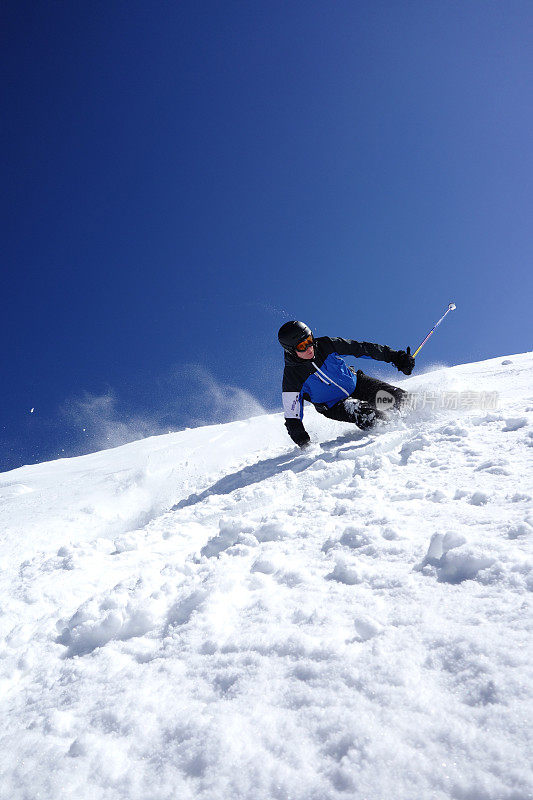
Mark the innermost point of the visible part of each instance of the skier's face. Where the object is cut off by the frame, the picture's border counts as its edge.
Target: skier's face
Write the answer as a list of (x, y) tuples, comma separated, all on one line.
[(307, 354)]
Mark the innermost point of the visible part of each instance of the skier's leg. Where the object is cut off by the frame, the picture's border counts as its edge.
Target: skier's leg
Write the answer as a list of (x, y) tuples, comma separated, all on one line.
[(367, 389), (357, 412)]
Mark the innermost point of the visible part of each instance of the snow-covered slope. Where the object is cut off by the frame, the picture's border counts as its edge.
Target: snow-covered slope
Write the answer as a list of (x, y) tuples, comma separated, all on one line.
[(216, 615)]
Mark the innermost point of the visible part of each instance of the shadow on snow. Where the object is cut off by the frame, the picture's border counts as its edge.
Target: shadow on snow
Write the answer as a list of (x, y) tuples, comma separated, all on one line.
[(273, 466)]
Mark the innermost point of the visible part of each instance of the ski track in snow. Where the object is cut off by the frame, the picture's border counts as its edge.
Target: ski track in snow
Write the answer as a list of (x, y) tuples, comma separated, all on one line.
[(214, 614)]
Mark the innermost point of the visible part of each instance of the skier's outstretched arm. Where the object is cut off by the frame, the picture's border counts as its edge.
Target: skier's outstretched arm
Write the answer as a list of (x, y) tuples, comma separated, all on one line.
[(293, 409), (402, 360)]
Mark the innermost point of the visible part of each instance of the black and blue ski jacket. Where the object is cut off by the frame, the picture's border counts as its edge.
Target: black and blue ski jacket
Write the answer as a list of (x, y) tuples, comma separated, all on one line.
[(324, 380)]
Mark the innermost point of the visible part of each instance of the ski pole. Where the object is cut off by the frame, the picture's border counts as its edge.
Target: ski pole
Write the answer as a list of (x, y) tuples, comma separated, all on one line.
[(451, 307)]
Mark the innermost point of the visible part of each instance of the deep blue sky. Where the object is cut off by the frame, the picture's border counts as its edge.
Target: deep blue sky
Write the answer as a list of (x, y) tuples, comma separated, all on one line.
[(180, 178)]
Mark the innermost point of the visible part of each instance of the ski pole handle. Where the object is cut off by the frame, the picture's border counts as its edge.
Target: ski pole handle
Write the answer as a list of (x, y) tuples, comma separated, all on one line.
[(451, 307)]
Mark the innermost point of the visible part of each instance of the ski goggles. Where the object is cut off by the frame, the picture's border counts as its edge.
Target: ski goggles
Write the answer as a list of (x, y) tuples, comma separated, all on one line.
[(302, 346)]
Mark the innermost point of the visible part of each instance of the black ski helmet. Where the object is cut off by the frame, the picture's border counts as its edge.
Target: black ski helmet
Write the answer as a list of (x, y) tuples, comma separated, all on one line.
[(291, 333)]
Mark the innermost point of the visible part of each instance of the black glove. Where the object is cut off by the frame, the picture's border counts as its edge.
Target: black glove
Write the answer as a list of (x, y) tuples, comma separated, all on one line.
[(403, 360), (297, 432)]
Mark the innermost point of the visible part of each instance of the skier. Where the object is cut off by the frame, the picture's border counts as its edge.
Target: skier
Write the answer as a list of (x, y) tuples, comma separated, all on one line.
[(315, 372)]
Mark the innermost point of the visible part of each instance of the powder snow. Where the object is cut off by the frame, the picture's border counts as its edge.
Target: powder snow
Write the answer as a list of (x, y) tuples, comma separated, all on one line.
[(216, 615)]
